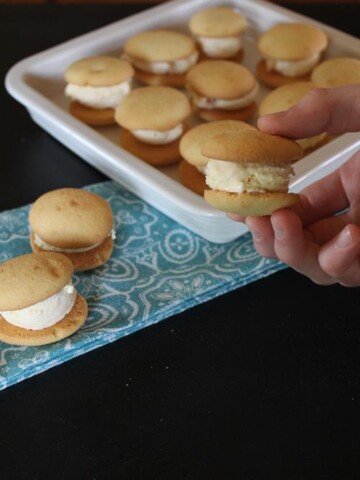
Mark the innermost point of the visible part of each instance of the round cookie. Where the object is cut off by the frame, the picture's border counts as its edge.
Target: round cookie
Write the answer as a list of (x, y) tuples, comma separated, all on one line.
[(73, 219), (96, 72), (220, 79), (32, 278), (274, 79), (250, 204), (285, 97), (99, 71), (94, 117), (155, 155), (153, 108), (192, 178), (28, 280), (337, 72), (159, 46), (193, 140), (292, 41), (217, 22), (252, 146)]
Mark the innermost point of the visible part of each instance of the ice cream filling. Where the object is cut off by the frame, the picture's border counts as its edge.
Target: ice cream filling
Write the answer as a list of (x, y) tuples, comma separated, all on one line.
[(43, 314), (225, 47), (161, 68), (98, 97), (247, 177), (226, 104), (156, 137), (293, 69), (51, 248)]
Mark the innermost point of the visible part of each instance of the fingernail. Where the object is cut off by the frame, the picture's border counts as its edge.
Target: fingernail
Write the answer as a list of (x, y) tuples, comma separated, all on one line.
[(344, 240), (278, 231)]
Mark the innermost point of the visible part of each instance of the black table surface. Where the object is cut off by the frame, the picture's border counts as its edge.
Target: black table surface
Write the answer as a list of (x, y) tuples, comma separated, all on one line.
[(261, 383)]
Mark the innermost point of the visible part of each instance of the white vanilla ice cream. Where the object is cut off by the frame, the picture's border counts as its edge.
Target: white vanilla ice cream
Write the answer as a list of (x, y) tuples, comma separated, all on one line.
[(161, 68), (46, 313), (293, 69), (247, 177), (51, 248), (225, 47), (98, 97), (225, 104), (156, 137)]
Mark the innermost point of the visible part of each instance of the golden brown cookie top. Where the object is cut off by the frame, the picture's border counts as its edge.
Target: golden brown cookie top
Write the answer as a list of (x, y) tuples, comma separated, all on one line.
[(153, 108), (217, 22), (71, 218), (32, 278), (220, 79), (160, 46), (252, 146), (337, 72), (292, 41), (100, 71)]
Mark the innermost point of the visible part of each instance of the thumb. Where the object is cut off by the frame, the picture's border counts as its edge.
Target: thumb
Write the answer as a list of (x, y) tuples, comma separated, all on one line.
[(335, 111)]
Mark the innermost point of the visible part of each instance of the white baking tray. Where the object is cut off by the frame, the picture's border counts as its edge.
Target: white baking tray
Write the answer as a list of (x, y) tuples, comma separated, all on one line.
[(37, 82)]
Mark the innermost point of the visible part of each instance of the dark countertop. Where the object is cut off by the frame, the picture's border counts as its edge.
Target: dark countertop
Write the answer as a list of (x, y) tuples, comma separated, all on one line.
[(261, 383)]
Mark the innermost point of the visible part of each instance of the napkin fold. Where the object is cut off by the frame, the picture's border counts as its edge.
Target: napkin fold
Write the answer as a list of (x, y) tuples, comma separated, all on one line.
[(157, 270)]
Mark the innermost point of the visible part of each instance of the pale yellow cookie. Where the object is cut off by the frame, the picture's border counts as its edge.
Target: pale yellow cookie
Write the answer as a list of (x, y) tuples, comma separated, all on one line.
[(159, 46), (32, 278), (70, 219), (250, 204), (220, 79), (217, 22), (99, 71), (252, 146), (153, 108), (337, 72), (292, 41), (95, 117)]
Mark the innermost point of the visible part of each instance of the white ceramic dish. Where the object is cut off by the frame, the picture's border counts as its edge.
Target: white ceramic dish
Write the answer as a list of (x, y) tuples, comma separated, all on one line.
[(37, 82)]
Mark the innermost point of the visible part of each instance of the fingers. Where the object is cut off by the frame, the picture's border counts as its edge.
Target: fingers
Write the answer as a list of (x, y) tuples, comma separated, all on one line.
[(263, 235), (340, 257), (294, 248), (332, 194), (334, 111), (327, 228)]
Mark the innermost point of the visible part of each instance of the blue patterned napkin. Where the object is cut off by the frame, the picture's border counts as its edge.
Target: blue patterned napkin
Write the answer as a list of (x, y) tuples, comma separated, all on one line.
[(158, 269)]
